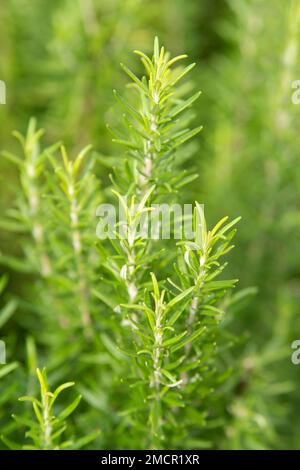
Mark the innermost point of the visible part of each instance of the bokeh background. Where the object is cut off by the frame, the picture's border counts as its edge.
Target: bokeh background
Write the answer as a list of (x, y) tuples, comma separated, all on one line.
[(60, 61)]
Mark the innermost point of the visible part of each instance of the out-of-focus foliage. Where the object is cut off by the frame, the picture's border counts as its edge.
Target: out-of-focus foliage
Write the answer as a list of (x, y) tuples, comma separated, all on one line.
[(60, 61), (47, 431), (253, 162)]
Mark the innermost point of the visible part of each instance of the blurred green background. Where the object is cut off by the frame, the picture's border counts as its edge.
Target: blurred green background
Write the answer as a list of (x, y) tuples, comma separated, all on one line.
[(60, 62)]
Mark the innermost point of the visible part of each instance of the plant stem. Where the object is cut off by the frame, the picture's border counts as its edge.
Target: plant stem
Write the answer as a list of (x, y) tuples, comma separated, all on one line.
[(155, 411), (37, 227), (77, 248), (47, 428), (149, 153), (143, 179), (192, 312)]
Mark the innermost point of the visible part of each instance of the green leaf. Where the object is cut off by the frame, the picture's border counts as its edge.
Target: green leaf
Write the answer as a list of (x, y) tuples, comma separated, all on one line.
[(156, 49), (134, 78), (155, 286), (69, 409), (228, 226), (174, 339), (218, 285), (7, 312), (10, 444), (180, 108), (104, 298), (7, 369), (190, 339), (187, 136), (182, 74), (200, 227), (83, 441), (60, 389), (176, 300)]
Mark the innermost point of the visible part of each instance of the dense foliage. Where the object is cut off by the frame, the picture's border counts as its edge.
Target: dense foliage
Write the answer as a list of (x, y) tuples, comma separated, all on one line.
[(159, 343)]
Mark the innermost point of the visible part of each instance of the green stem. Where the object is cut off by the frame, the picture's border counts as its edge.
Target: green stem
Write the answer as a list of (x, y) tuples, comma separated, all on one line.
[(155, 411), (77, 248), (47, 428)]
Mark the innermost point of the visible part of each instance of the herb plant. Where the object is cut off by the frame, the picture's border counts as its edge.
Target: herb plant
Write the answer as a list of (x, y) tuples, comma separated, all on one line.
[(117, 303), (112, 276)]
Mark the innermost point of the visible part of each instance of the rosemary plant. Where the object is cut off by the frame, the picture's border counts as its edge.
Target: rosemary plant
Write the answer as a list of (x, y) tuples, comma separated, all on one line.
[(47, 431), (163, 351), (53, 214), (7, 366), (146, 309), (152, 134), (172, 325)]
